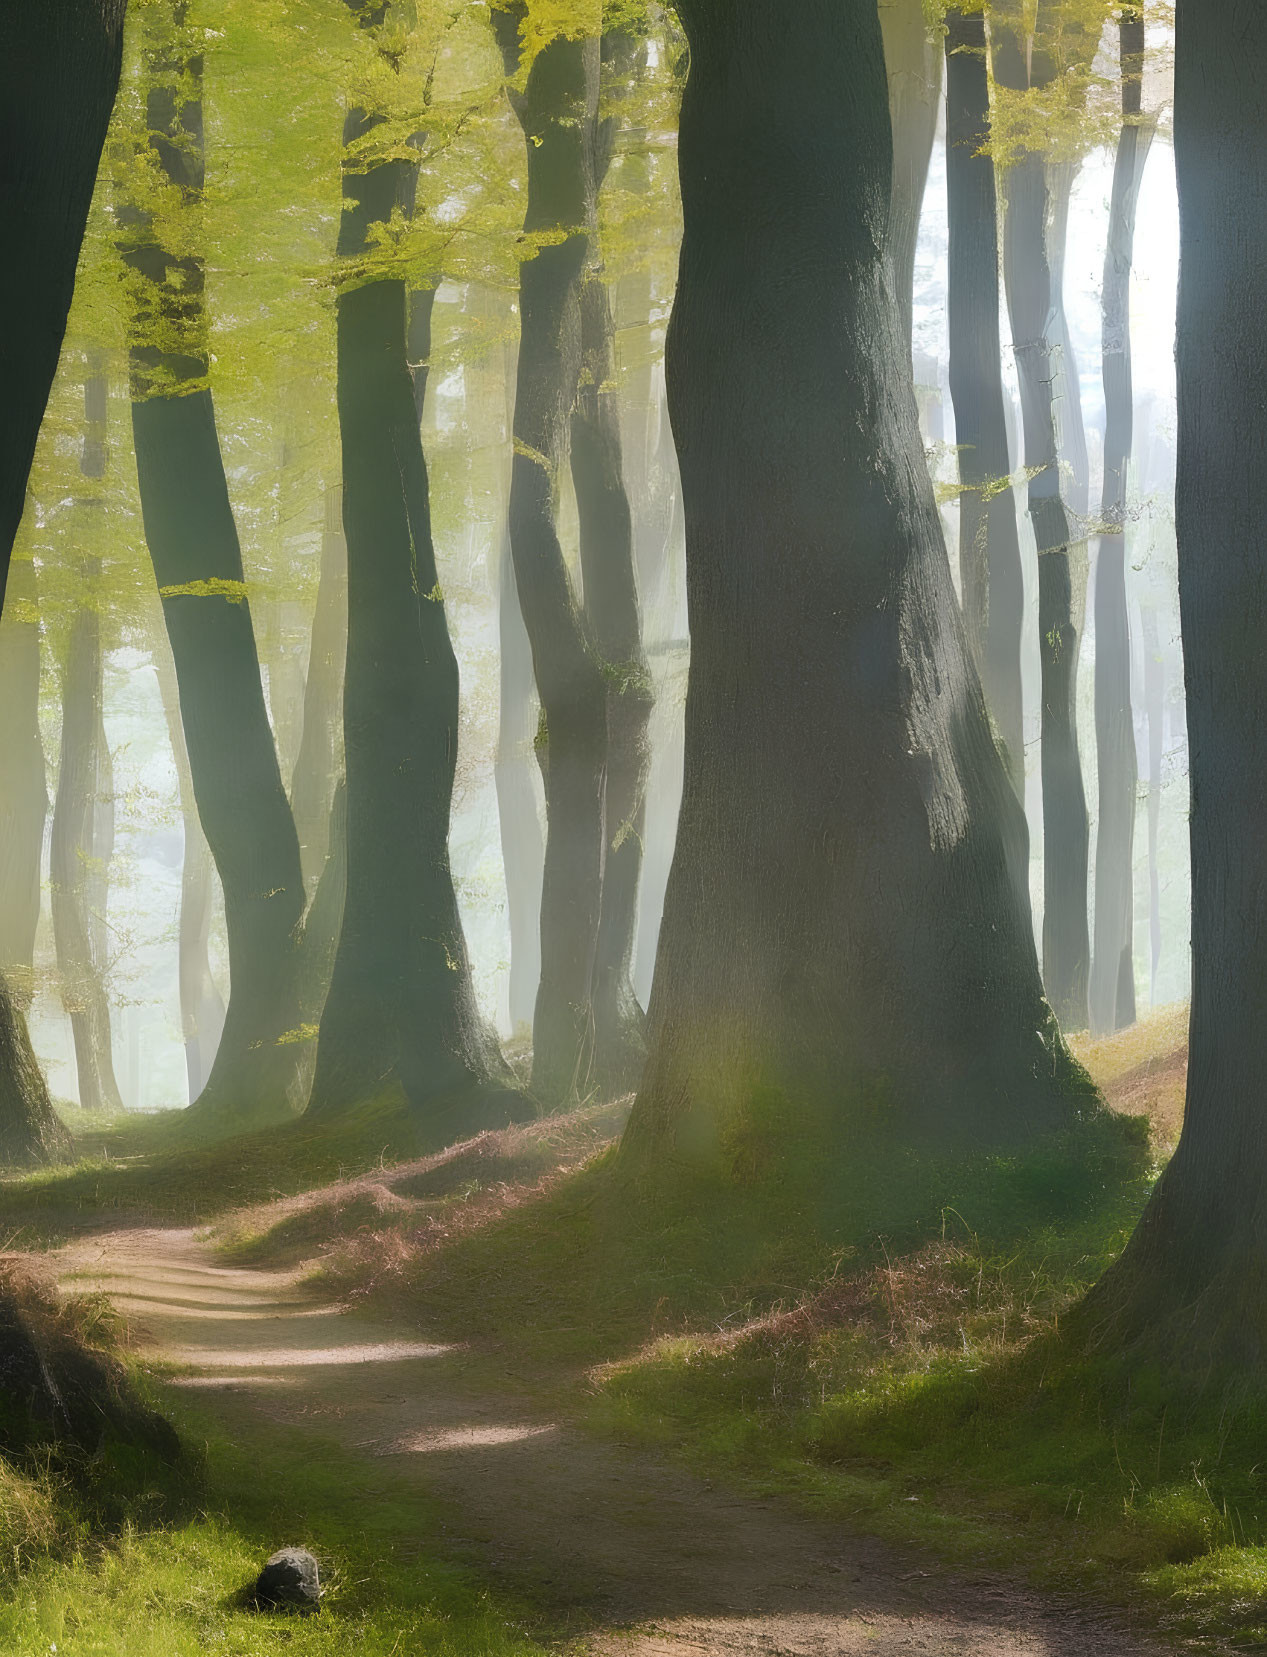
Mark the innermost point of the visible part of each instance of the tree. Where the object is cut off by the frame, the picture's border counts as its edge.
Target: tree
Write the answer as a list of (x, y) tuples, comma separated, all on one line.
[(401, 1010), (1112, 1002), (913, 61), (57, 88), (557, 107), (1190, 1280), (989, 546), (841, 931), (83, 811), (1025, 61), (193, 542), (23, 781)]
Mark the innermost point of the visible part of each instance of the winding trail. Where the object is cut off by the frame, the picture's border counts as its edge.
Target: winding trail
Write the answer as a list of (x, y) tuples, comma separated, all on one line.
[(635, 1557)]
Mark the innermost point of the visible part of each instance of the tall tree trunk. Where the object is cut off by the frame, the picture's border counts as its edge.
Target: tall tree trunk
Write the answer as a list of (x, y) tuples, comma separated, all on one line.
[(913, 62), (401, 1010), (1113, 961), (1030, 298), (612, 610), (989, 545), (557, 110), (201, 1004), (59, 72), (523, 852), (193, 544), (320, 760), (1188, 1289), (83, 818), (23, 784), (1155, 708), (841, 933)]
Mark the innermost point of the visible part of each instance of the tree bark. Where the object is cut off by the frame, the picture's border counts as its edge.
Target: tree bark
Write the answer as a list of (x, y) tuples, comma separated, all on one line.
[(841, 932), (1188, 1290), (59, 72), (558, 109), (201, 1004), (1019, 65), (989, 546), (193, 545), (913, 62), (320, 760), (1113, 962), (83, 811), (612, 611), (401, 1010), (23, 784), (1155, 708), (523, 852)]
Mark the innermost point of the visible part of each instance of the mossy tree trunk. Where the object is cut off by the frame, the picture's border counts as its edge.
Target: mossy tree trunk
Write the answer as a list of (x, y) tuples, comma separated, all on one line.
[(841, 930), (1189, 1288), (59, 72)]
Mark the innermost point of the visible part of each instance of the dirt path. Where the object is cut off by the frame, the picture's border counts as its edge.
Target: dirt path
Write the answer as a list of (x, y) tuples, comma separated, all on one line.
[(642, 1558)]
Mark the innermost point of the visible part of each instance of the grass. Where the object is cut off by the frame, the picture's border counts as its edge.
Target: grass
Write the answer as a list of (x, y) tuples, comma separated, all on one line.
[(144, 1171), (176, 1588)]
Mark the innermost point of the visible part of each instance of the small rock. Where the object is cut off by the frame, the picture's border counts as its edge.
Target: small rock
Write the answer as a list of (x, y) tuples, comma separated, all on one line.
[(290, 1577)]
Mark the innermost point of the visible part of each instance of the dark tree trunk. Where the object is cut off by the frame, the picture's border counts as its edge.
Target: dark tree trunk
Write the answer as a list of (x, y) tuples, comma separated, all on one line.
[(557, 110), (1113, 962), (841, 929), (59, 71), (201, 1004), (1188, 1289), (193, 545), (83, 812), (1030, 298), (320, 759), (913, 63), (23, 783), (989, 546), (401, 1010)]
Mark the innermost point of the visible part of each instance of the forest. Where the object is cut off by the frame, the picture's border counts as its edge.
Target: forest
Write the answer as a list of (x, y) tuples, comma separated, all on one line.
[(630, 648)]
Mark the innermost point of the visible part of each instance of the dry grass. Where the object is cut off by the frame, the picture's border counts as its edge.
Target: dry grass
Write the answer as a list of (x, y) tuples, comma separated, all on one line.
[(366, 1229), (1143, 1071)]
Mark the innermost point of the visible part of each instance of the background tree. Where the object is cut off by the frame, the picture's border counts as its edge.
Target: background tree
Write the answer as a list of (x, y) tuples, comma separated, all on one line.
[(401, 1008), (83, 811), (1026, 59), (989, 547), (194, 547), (1112, 1002)]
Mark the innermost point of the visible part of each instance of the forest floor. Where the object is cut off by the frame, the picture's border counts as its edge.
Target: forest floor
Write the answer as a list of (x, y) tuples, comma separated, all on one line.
[(509, 1413), (619, 1550)]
